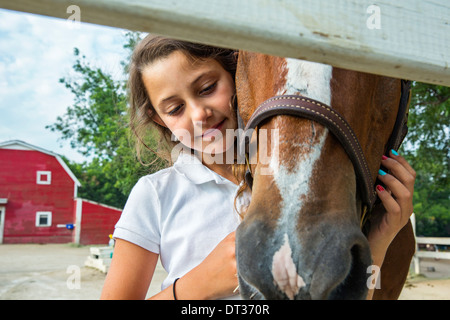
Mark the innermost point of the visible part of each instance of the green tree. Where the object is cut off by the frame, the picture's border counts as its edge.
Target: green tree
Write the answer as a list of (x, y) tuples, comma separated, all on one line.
[(94, 123), (427, 148)]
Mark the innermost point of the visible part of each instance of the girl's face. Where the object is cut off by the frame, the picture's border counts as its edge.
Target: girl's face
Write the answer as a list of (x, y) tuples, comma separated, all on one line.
[(193, 100)]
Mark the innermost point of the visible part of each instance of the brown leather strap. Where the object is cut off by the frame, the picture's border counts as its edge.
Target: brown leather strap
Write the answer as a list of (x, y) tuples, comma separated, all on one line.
[(400, 127), (401, 123), (314, 110)]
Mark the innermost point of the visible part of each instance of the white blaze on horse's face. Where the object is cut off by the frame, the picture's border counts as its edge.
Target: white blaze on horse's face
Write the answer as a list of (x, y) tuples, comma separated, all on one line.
[(293, 187), (310, 80), (284, 271)]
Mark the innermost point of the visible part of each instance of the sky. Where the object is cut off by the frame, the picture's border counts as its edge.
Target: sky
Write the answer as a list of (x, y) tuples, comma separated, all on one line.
[(35, 52)]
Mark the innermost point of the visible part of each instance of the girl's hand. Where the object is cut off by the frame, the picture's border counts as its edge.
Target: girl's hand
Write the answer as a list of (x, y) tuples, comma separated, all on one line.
[(215, 277), (220, 269), (397, 200)]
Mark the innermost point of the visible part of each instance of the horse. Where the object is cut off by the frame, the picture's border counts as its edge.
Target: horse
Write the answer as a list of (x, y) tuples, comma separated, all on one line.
[(301, 235)]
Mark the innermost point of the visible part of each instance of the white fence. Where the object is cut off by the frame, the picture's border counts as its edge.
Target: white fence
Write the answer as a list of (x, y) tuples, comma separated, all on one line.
[(420, 254), (407, 39)]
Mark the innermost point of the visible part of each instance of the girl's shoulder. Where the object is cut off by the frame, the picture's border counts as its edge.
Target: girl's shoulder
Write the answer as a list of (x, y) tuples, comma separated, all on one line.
[(159, 179), (150, 193)]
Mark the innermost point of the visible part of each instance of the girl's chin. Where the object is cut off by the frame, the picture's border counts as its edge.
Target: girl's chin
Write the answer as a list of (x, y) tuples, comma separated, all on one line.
[(215, 148)]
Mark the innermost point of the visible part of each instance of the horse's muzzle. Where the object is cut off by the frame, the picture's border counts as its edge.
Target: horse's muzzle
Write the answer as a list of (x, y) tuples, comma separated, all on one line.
[(325, 263)]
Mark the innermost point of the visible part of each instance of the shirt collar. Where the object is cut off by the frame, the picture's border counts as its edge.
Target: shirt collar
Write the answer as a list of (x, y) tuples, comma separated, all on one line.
[(194, 170)]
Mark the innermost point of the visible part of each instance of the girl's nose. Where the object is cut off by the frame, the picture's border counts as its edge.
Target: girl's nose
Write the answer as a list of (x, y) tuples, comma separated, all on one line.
[(200, 113)]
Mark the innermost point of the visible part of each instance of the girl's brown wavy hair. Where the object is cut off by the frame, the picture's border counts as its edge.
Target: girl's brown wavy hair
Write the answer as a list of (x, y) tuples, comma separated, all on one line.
[(141, 111)]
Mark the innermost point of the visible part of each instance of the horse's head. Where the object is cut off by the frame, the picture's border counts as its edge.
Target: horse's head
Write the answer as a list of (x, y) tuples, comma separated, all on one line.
[(301, 235)]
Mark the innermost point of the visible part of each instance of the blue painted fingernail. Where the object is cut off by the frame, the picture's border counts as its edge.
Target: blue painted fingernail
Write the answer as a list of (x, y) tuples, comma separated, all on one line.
[(395, 153), (381, 172)]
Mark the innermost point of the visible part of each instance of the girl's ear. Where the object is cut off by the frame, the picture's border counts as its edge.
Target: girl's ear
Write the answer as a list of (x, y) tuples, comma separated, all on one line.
[(158, 120)]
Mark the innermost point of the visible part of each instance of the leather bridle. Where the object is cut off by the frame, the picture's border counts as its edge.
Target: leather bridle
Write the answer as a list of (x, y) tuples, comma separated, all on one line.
[(304, 107)]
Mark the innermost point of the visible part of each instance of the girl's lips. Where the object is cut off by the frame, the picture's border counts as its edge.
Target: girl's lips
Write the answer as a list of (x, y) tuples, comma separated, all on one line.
[(213, 131)]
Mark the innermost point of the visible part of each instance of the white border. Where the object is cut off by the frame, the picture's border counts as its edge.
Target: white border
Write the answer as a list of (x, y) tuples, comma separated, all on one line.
[(41, 174), (41, 213)]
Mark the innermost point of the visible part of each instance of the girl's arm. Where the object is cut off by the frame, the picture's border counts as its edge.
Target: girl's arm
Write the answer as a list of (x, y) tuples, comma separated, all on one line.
[(130, 273), (397, 200)]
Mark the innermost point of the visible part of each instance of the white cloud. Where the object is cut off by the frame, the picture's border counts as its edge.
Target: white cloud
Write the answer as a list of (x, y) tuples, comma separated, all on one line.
[(35, 52)]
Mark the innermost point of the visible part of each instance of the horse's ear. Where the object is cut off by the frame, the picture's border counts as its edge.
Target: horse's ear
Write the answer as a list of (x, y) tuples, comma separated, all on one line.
[(236, 55)]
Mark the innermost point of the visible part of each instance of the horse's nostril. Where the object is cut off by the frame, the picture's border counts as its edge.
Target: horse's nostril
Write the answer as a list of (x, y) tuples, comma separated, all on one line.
[(354, 285)]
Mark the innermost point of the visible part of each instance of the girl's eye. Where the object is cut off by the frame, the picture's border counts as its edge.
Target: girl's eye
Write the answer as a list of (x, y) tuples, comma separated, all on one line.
[(208, 89), (175, 110)]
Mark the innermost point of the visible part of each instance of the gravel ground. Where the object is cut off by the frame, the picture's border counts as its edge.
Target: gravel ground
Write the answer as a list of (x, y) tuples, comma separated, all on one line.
[(49, 271)]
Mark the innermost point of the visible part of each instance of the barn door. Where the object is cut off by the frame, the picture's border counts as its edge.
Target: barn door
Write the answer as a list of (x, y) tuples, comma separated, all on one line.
[(2, 222)]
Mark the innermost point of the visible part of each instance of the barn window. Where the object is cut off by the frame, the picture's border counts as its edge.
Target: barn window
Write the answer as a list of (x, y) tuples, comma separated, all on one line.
[(43, 219), (44, 177)]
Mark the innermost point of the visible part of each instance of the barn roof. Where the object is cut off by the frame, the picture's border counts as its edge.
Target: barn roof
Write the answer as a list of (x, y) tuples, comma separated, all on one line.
[(21, 145)]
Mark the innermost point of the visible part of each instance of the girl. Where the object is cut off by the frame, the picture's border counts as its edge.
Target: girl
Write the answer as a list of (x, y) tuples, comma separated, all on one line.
[(185, 213)]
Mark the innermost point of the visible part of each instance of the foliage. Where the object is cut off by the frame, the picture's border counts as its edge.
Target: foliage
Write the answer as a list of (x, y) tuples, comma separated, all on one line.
[(95, 122), (427, 148)]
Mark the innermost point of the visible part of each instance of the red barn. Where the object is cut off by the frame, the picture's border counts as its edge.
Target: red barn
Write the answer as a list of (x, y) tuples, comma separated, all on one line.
[(97, 221), (39, 204)]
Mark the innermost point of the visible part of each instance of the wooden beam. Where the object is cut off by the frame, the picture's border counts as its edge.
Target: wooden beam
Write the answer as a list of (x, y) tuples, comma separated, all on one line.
[(407, 39), (435, 240), (433, 254)]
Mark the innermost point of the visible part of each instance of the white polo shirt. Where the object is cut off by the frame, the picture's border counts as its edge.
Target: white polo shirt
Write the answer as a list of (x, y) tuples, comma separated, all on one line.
[(180, 213)]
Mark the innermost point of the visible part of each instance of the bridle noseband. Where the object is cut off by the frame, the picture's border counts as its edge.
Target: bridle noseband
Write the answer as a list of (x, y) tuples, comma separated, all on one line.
[(304, 107)]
